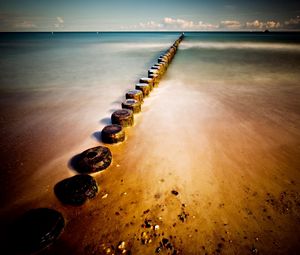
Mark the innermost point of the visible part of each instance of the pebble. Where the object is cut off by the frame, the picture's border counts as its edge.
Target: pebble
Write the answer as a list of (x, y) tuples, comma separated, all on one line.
[(104, 196)]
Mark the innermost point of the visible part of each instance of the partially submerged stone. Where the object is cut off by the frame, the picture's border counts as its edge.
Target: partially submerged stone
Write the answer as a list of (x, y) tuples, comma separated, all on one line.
[(132, 105), (76, 190), (113, 134), (37, 229), (94, 159), (135, 94), (144, 87), (123, 118)]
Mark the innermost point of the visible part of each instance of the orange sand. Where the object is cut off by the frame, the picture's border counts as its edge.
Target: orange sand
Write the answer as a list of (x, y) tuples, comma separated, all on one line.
[(232, 153)]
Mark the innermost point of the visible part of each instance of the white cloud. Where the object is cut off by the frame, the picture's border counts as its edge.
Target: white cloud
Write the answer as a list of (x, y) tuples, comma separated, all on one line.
[(25, 24), (256, 24), (150, 25), (293, 23), (172, 24), (273, 24), (231, 24), (59, 22), (181, 24)]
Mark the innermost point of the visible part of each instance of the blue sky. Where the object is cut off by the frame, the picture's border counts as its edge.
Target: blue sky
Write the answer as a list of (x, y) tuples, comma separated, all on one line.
[(115, 15)]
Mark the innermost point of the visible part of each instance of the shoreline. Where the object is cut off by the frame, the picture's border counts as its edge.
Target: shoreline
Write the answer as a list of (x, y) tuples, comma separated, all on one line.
[(210, 165), (231, 181)]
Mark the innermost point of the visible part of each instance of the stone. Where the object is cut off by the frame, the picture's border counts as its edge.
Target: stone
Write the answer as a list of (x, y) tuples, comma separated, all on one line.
[(132, 104), (123, 118), (76, 190), (113, 134), (174, 192), (37, 229), (135, 94), (94, 159)]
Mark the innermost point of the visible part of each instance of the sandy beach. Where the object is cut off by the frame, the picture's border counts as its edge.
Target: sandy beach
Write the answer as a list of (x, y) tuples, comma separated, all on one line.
[(236, 177), (210, 166)]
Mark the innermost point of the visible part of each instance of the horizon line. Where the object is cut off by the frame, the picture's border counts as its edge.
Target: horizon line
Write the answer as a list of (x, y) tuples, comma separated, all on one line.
[(154, 31)]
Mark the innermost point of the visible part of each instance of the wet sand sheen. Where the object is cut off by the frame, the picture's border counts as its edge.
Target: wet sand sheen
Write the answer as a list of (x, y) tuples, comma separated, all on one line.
[(229, 149), (236, 176)]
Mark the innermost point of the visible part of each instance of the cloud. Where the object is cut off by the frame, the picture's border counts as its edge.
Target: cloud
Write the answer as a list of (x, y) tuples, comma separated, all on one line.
[(273, 24), (59, 22), (256, 24), (293, 23), (150, 25), (231, 24), (176, 24), (25, 24), (181, 24), (172, 24)]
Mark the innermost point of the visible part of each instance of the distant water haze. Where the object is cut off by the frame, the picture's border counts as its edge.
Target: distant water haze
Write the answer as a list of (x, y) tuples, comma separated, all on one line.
[(222, 125)]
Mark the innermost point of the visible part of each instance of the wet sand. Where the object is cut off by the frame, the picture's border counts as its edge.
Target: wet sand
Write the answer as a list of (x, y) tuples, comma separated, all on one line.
[(230, 151)]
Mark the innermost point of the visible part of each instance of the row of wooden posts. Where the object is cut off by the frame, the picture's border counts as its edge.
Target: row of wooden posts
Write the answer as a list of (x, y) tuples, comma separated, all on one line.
[(134, 98), (38, 228)]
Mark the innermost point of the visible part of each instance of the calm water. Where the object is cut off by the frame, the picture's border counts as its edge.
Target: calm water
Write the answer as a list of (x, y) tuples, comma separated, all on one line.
[(46, 61)]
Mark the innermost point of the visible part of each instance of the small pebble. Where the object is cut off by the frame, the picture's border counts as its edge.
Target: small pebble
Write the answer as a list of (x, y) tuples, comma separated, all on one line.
[(104, 196)]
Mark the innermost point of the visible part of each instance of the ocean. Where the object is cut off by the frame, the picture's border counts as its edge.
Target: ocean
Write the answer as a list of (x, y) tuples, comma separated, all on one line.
[(223, 124)]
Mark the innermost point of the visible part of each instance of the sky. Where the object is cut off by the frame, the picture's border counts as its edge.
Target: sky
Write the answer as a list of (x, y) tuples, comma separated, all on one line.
[(154, 15)]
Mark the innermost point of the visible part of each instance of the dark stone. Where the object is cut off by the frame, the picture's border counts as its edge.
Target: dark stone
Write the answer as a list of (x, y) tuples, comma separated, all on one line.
[(165, 241), (174, 192), (148, 223), (123, 118), (76, 190), (37, 229), (113, 134), (94, 159), (158, 249)]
